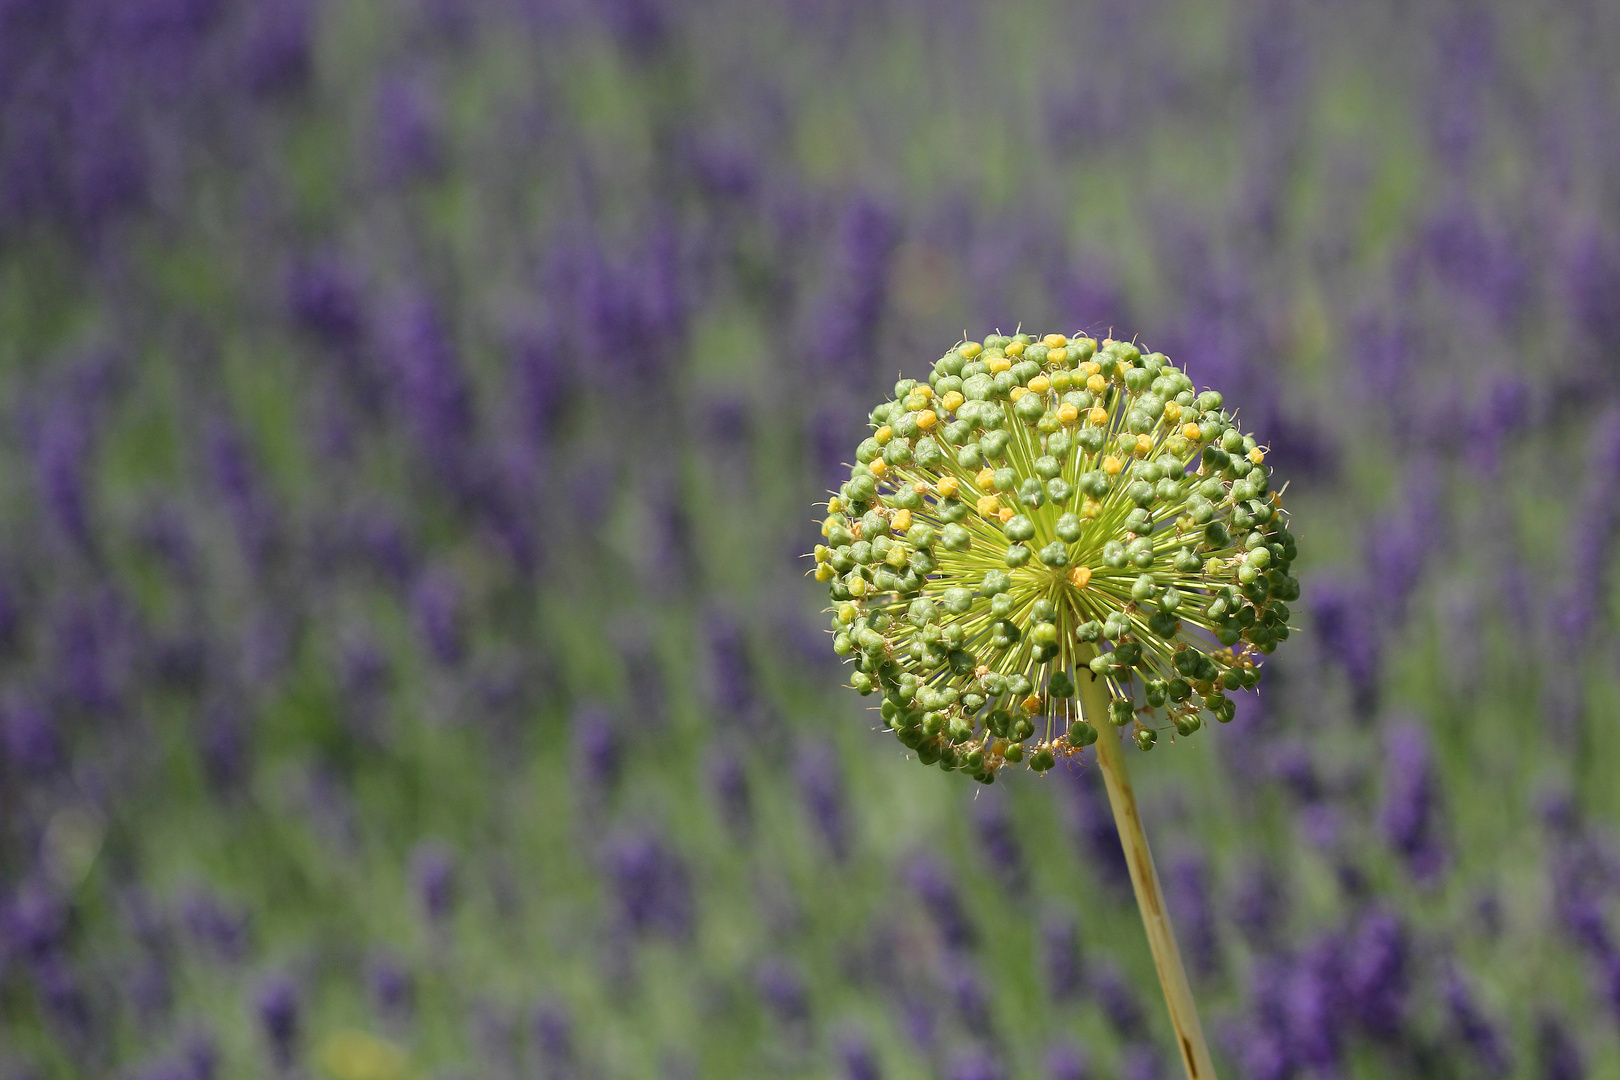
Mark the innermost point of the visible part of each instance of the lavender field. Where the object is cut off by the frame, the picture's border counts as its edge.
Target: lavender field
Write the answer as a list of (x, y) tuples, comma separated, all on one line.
[(413, 417)]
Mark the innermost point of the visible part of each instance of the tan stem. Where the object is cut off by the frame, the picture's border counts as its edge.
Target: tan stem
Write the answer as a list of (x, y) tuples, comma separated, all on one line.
[(1149, 898)]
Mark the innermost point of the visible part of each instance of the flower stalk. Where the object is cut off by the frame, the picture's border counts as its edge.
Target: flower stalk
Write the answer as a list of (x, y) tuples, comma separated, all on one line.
[(1161, 936)]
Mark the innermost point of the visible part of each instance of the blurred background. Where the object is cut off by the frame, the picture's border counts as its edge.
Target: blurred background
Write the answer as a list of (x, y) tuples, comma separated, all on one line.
[(412, 418)]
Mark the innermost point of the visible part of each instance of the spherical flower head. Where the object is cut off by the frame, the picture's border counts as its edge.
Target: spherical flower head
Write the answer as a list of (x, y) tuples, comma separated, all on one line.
[(1042, 512)]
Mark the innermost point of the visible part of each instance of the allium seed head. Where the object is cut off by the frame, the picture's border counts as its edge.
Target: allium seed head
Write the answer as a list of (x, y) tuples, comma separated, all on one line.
[(1044, 511)]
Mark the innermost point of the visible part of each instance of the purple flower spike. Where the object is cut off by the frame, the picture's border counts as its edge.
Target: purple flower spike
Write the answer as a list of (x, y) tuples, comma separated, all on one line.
[(433, 877), (1473, 1029), (821, 784), (597, 748), (1065, 970), (1411, 808), (858, 1058), (1065, 1061), (782, 989), (651, 884), (998, 839), (931, 881), (436, 601), (277, 1006)]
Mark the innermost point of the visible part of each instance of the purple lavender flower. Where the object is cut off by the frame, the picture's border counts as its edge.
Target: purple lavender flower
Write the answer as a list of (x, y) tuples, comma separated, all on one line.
[(1187, 892), (1410, 812), (62, 437), (1066, 1061), (1473, 1029), (222, 931), (34, 923), (1259, 905), (1376, 973), (1119, 1002), (1348, 638), (30, 738), (651, 885), (1060, 950), (391, 987), (644, 679), (324, 297), (554, 1039), (436, 602), (433, 877), (1557, 1055), (276, 1002), (931, 881), (276, 46), (432, 391), (407, 139), (998, 839), (781, 988), (597, 748), (821, 785), (731, 791), (851, 312), (973, 1064), (1591, 282), (247, 502), (224, 747), (731, 672), (1141, 1062), (858, 1058), (971, 998), (1093, 824)]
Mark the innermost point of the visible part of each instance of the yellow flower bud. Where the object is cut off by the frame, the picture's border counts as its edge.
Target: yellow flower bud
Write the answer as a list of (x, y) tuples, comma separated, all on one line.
[(1112, 465), (901, 521), (1172, 412), (1144, 445), (1257, 455), (1040, 384), (879, 467), (1006, 514), (1190, 432), (997, 364), (1068, 413), (970, 349), (1090, 367), (986, 479), (1096, 384), (1031, 704), (1080, 576), (857, 586), (988, 505), (926, 419), (883, 434), (951, 401), (1098, 416), (1054, 341), (824, 572), (1017, 392), (947, 487), (1014, 348)]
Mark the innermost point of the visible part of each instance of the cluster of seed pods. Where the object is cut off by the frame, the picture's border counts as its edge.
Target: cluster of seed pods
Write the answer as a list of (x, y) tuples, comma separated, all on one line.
[(1042, 511)]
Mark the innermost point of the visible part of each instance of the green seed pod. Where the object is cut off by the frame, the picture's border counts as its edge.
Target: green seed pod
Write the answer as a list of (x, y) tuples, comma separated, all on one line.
[(1081, 734), (1120, 712), (1019, 527), (1042, 760), (1145, 738)]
